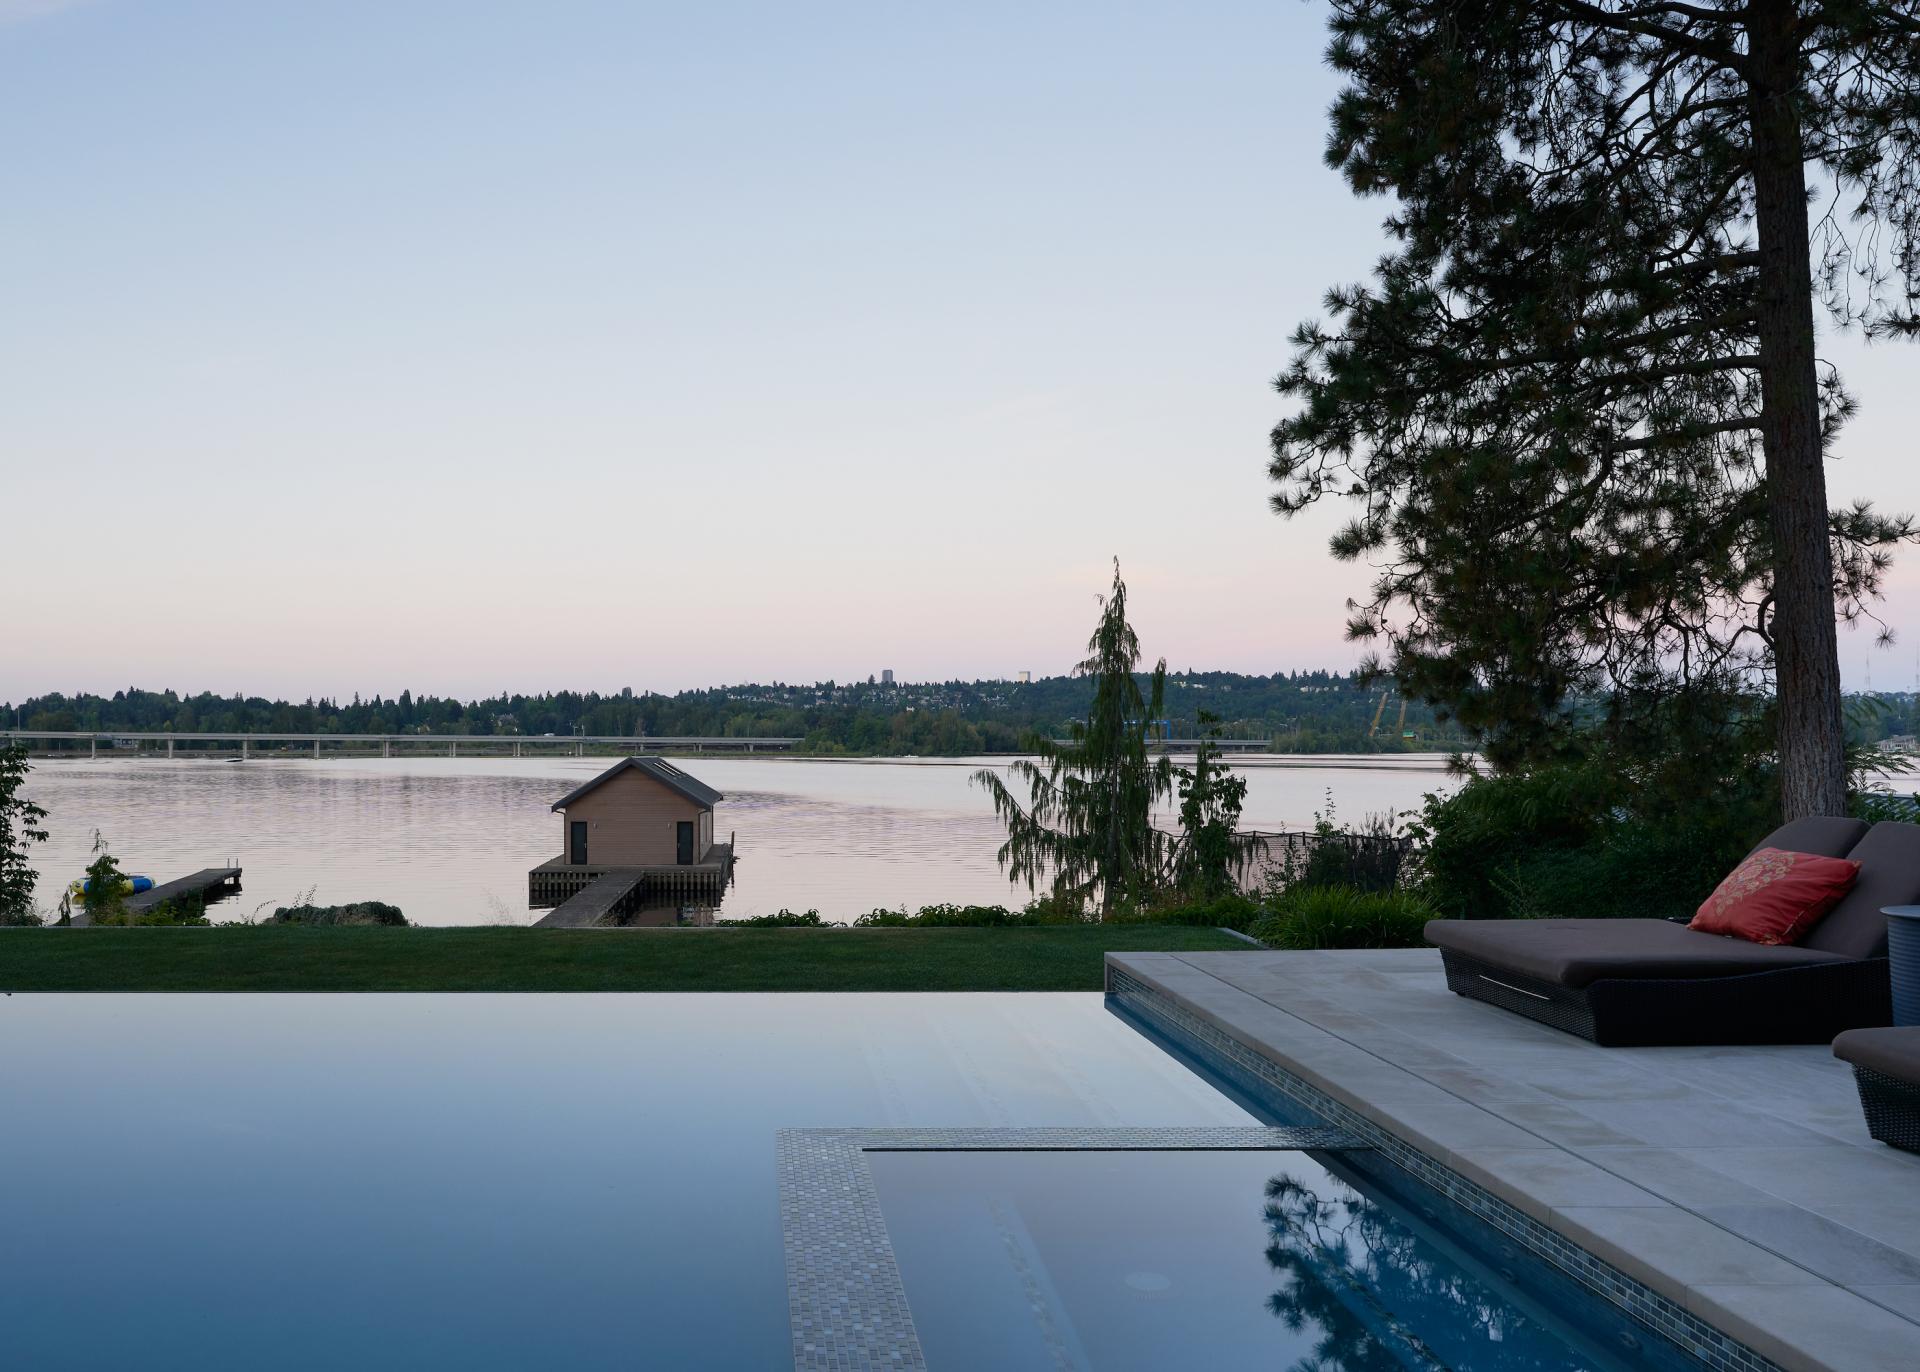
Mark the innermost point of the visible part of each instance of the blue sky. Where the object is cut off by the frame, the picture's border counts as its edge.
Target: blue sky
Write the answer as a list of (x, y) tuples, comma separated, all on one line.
[(469, 346)]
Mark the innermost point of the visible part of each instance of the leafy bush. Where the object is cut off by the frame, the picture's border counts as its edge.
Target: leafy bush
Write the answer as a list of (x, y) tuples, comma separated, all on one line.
[(1878, 804), (183, 910), (1343, 917), (1607, 830), (105, 886), (363, 912), (1230, 911), (962, 917), (779, 919)]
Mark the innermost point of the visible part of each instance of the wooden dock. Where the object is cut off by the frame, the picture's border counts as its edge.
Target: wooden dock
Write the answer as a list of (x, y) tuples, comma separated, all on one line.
[(209, 883), (580, 897), (604, 898)]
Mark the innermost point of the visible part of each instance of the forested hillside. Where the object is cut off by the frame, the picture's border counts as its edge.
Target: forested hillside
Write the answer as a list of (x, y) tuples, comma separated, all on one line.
[(1298, 712)]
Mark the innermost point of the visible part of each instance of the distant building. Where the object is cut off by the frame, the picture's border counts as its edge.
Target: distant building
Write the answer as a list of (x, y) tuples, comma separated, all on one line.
[(886, 677), (1025, 678), (640, 812)]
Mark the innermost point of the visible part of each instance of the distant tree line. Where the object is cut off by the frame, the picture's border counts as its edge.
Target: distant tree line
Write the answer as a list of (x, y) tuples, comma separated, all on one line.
[(1306, 712)]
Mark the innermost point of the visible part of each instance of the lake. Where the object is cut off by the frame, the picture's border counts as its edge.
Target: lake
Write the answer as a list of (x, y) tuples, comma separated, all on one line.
[(450, 840)]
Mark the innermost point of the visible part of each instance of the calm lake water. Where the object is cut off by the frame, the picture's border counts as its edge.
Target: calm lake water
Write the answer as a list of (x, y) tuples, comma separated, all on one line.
[(450, 840)]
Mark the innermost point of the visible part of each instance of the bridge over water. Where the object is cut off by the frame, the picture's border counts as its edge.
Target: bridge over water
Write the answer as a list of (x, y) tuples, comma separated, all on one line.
[(409, 745), (57, 742)]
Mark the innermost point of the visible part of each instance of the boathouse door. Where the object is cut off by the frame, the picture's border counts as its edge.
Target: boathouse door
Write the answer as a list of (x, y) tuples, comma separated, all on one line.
[(683, 842), (577, 843)]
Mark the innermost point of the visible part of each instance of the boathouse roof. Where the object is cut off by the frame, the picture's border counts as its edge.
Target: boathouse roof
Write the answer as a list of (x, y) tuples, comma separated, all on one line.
[(660, 770)]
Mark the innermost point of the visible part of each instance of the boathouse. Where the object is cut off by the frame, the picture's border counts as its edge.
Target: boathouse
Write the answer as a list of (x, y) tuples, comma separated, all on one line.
[(640, 812), (641, 833)]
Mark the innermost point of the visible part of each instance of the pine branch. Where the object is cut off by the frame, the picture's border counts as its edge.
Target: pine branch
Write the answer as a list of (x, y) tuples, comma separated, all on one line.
[(1626, 22), (1690, 433)]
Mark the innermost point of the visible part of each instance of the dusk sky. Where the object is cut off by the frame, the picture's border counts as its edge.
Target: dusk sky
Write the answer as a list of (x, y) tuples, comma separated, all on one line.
[(468, 346)]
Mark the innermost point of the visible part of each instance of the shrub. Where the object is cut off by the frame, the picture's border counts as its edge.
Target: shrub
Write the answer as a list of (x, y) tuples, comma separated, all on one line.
[(105, 886), (1368, 857), (184, 910), (1584, 838), (363, 912), (958, 917), (1342, 917), (19, 831), (1230, 911), (779, 919)]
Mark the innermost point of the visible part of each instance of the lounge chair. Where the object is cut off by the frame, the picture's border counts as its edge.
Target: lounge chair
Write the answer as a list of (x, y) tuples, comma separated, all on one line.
[(1626, 982), (1886, 1068)]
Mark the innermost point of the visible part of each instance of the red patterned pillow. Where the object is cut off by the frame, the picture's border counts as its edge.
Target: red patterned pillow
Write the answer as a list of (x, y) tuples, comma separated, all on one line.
[(1775, 896)]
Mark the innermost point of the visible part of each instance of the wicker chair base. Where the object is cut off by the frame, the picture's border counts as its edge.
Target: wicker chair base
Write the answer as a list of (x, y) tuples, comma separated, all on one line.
[(1892, 1107), (1791, 1005)]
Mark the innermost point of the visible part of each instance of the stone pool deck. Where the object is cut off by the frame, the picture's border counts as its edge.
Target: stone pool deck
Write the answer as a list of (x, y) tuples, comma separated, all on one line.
[(1738, 1183)]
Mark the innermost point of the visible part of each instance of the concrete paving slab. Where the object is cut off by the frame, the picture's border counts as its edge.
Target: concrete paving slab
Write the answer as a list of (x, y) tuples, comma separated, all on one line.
[(1841, 1255), (1821, 1328), (1738, 1181), (1655, 1241)]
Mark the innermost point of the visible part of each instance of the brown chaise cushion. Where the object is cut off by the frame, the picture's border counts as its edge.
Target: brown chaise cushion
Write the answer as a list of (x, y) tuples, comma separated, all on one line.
[(1889, 858), (1891, 1052), (1578, 952)]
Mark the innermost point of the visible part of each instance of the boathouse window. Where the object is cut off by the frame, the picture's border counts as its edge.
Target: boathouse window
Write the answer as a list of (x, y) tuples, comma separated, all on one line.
[(683, 843), (577, 843)]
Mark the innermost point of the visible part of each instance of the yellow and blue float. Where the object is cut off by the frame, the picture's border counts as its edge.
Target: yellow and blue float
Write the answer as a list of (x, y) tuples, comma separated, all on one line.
[(129, 886)]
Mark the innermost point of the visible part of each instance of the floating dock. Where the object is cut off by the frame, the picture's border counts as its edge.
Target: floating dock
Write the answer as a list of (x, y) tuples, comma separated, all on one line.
[(581, 897), (209, 883)]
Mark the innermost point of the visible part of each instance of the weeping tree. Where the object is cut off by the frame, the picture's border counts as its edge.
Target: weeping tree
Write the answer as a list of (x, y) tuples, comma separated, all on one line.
[(1085, 822), (1579, 405)]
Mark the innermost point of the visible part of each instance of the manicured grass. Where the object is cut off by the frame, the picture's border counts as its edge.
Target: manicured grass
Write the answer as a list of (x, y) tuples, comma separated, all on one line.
[(377, 959)]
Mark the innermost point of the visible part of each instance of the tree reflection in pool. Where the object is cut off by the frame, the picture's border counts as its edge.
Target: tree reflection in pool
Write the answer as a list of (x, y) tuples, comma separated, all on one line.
[(1124, 1261)]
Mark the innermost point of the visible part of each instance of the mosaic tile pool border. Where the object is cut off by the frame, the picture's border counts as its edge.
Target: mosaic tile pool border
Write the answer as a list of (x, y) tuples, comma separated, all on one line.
[(1254, 1070), (846, 1306)]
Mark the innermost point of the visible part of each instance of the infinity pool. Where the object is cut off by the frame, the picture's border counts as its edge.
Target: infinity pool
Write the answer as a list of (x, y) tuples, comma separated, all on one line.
[(552, 1181), (478, 1181)]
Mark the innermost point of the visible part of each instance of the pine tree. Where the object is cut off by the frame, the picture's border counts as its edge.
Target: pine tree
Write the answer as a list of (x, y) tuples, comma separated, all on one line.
[(1087, 820), (1580, 404)]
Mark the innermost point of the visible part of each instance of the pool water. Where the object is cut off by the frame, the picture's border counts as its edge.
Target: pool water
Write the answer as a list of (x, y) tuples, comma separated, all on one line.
[(1137, 1261), (589, 1181), (551, 1181)]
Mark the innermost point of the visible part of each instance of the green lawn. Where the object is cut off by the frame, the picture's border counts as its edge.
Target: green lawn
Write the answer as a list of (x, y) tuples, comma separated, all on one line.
[(375, 959)]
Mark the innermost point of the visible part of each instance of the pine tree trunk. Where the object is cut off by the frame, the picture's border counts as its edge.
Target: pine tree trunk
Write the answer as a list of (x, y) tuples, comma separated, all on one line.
[(1813, 779)]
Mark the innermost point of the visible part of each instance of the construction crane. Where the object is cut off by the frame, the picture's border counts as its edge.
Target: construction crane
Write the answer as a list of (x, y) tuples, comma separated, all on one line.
[(1378, 710)]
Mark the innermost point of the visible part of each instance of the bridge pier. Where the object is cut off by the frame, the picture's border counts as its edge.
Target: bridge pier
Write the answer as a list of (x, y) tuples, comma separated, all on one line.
[(516, 747), (93, 748), (386, 747), (169, 747), (453, 749), (245, 749), (316, 750)]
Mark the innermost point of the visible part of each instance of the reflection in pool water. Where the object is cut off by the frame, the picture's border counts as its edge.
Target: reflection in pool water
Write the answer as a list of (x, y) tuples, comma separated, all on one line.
[(1135, 1261)]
